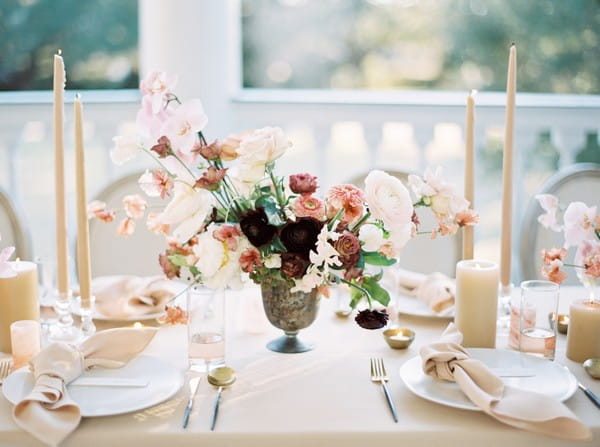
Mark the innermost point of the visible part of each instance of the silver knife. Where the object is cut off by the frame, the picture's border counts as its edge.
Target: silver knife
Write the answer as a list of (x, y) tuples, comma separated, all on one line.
[(194, 382)]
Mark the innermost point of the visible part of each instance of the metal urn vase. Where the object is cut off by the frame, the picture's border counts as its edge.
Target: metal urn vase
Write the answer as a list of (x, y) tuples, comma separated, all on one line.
[(289, 312)]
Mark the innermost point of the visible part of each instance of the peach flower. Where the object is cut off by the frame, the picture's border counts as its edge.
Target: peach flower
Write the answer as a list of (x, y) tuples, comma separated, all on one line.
[(126, 227), (97, 209), (346, 197), (173, 315), (250, 259), (309, 206), (134, 205)]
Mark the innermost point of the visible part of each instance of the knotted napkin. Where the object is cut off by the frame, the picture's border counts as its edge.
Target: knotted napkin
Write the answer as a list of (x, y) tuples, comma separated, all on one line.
[(436, 290), (47, 412), (448, 360), (127, 296)]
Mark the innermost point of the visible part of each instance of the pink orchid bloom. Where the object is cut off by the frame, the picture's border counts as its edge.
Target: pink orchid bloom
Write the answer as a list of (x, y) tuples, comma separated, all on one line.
[(579, 219), (156, 86), (126, 227), (148, 122), (6, 268), (182, 128), (156, 183), (134, 205), (549, 204)]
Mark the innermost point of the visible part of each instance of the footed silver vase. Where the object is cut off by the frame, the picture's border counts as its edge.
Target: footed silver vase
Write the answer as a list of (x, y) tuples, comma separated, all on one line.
[(289, 312)]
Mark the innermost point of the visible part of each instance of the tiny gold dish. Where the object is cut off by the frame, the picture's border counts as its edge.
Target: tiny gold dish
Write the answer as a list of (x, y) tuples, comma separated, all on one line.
[(562, 322), (399, 338), (592, 366)]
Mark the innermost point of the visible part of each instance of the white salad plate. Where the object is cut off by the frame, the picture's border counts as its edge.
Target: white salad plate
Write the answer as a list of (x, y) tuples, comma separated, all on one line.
[(409, 305), (549, 378), (163, 381)]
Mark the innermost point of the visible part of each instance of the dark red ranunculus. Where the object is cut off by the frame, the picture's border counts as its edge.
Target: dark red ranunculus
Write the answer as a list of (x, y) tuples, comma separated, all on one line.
[(293, 265), (256, 227), (301, 236), (348, 246), (372, 319)]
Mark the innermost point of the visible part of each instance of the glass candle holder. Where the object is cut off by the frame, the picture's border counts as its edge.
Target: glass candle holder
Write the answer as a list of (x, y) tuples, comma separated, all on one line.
[(25, 341)]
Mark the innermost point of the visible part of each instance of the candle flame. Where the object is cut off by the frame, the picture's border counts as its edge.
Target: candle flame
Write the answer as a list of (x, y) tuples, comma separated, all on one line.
[(18, 259), (473, 92), (137, 325), (59, 52)]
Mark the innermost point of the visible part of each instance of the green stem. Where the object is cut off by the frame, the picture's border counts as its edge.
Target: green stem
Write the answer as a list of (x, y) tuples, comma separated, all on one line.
[(170, 174), (360, 223), (278, 196), (184, 165), (356, 286)]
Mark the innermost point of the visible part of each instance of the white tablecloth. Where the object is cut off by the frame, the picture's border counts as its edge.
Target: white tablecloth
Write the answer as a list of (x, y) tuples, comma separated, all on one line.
[(320, 398)]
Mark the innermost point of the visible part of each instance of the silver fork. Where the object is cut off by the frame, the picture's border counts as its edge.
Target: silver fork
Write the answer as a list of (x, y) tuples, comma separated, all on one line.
[(4, 369), (379, 374)]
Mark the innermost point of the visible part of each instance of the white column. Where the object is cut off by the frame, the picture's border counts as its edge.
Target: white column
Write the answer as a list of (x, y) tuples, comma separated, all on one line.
[(199, 41)]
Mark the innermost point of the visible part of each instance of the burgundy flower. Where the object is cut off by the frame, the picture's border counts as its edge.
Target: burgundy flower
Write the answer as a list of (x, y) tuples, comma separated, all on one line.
[(163, 148), (303, 183), (372, 319), (293, 265), (211, 178), (210, 151), (256, 227), (348, 246), (301, 236)]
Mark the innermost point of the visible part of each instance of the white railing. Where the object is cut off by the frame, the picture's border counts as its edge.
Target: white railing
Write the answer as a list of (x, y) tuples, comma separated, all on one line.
[(337, 134)]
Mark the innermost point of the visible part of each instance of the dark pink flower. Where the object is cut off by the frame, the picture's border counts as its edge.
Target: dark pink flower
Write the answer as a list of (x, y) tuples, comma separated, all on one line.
[(303, 183), (250, 259), (228, 234)]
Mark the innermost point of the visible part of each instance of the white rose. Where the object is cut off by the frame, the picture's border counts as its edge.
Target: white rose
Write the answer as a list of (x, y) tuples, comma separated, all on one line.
[(263, 146), (126, 148), (218, 265), (371, 237), (388, 199), (189, 208)]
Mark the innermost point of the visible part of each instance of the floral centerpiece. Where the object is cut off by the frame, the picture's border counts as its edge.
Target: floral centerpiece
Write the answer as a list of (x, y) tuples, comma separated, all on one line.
[(230, 216), (581, 229)]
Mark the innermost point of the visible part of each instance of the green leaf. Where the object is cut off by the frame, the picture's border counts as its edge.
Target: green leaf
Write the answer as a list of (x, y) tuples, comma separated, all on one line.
[(178, 260), (269, 204), (355, 296), (278, 245), (360, 264), (375, 258), (377, 292)]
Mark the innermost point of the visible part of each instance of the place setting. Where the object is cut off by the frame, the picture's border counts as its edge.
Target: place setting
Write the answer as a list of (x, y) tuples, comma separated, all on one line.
[(341, 317)]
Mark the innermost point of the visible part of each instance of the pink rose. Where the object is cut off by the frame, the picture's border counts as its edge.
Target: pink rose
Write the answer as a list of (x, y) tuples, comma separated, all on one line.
[(303, 183)]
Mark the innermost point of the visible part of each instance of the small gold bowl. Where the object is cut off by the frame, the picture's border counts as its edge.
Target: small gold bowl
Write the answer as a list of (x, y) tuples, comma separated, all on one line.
[(562, 322), (399, 338)]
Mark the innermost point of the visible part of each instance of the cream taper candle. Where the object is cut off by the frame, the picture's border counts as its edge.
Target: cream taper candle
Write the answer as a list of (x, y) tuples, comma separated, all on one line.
[(476, 305), (18, 299), (468, 231), (583, 337), (59, 177), (83, 242), (507, 169)]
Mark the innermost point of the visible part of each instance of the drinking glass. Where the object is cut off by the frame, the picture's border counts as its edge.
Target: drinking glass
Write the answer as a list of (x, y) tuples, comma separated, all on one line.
[(537, 328), (47, 288), (206, 328)]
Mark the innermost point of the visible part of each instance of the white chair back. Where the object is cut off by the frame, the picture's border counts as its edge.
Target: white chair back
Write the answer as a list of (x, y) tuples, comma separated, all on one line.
[(12, 229), (579, 182), (117, 255), (422, 254)]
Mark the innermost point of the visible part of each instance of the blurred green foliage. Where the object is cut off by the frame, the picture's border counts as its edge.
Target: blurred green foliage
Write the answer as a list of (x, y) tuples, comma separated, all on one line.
[(422, 44), (98, 40)]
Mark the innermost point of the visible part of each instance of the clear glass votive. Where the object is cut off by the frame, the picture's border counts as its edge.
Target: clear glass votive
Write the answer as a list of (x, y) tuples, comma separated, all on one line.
[(25, 341), (537, 318), (206, 328)]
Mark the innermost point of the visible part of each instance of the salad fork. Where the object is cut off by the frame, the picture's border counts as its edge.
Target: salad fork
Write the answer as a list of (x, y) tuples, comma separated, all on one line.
[(4, 369), (379, 374)]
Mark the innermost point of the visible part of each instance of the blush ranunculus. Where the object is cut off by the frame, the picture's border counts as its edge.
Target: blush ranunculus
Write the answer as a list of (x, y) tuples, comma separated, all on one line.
[(347, 197), (309, 206), (263, 146)]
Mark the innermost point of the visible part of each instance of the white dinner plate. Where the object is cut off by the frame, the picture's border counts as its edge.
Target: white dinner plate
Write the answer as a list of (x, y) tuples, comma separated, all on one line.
[(408, 305), (550, 378), (76, 310), (164, 380)]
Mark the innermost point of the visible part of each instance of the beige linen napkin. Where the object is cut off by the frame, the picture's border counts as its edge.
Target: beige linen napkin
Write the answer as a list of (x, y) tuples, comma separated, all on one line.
[(436, 290), (47, 412), (126, 296), (448, 360)]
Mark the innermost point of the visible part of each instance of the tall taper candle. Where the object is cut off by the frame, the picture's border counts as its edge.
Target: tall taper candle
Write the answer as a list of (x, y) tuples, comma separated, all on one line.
[(507, 168), (83, 238), (468, 235), (62, 269)]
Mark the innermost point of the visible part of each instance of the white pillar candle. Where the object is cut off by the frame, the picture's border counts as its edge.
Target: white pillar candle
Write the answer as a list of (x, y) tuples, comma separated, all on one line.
[(507, 169), (583, 337), (468, 231), (18, 299), (83, 238), (59, 177), (477, 302), (25, 341)]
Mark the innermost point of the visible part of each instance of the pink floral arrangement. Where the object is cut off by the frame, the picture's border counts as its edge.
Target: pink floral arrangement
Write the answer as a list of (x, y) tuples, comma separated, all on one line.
[(230, 216), (581, 228)]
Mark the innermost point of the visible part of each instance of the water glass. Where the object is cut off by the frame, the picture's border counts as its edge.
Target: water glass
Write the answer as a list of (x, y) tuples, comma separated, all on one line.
[(537, 328), (206, 328)]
